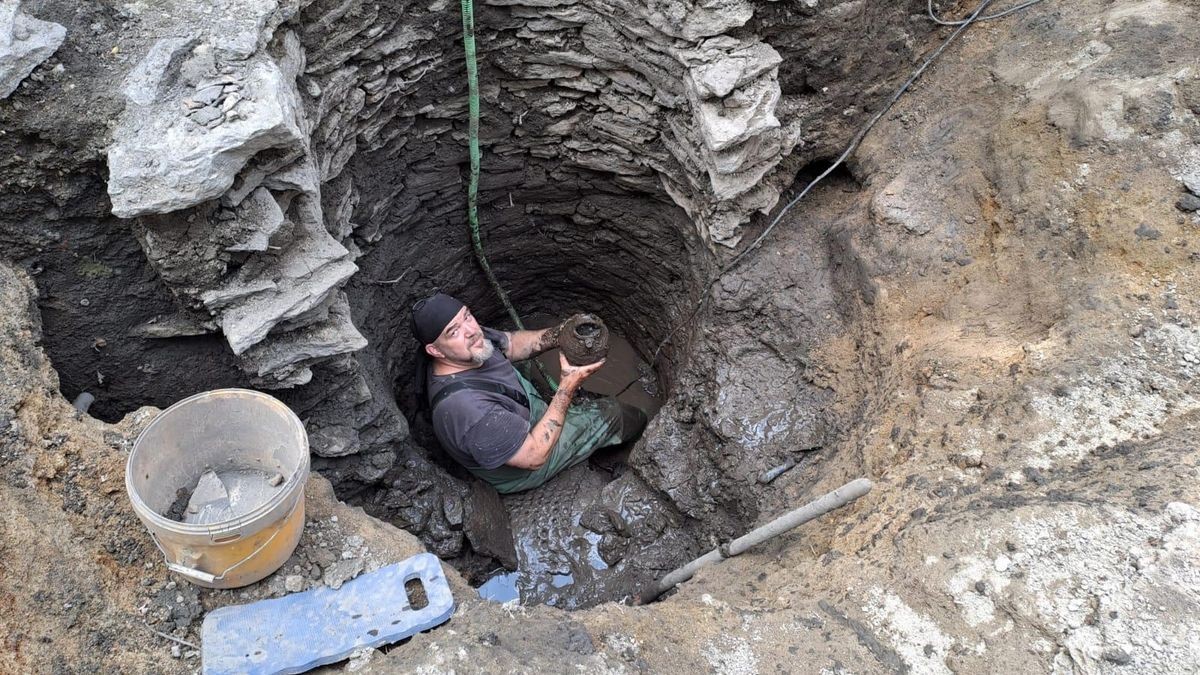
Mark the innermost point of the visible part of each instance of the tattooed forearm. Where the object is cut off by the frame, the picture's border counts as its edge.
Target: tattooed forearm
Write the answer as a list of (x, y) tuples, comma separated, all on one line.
[(536, 449), (542, 438), (523, 344), (547, 340)]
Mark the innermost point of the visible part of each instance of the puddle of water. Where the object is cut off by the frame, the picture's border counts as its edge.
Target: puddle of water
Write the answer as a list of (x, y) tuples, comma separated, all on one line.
[(500, 588), (506, 587), (593, 556)]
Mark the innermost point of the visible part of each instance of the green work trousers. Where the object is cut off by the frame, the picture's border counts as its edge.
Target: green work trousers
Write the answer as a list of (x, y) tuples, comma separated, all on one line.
[(590, 425)]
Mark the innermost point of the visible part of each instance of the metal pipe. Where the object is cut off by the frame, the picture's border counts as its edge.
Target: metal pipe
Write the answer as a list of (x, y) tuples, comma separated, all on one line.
[(686, 572), (791, 520)]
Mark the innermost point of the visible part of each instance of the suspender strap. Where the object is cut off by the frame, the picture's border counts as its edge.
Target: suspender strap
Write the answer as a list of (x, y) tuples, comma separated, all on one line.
[(479, 385)]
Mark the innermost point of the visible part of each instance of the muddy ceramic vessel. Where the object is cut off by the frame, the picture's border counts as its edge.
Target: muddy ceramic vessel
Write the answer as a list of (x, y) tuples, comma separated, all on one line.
[(583, 339)]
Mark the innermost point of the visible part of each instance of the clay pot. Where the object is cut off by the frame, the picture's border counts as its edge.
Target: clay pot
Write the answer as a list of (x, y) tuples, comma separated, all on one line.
[(583, 339)]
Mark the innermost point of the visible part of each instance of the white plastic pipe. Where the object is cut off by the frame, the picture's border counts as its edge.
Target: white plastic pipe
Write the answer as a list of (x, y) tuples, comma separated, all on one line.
[(791, 520)]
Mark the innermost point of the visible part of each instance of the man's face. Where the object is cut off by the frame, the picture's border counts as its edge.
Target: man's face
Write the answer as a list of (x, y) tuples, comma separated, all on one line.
[(461, 341)]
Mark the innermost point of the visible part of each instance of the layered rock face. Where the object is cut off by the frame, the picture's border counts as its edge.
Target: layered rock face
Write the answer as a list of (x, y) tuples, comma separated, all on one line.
[(213, 152), (268, 151)]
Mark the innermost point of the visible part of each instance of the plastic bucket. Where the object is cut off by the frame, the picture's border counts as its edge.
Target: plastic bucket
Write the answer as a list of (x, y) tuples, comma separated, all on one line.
[(221, 430)]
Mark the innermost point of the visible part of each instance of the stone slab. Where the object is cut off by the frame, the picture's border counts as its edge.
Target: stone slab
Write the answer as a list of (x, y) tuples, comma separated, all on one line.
[(25, 42)]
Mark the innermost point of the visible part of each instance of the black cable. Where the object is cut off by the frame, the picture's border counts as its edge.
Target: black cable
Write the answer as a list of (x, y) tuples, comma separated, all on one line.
[(975, 17), (938, 20)]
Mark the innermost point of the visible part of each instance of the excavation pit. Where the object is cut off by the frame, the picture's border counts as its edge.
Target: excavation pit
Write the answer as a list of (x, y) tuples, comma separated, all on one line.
[(988, 318), (596, 194)]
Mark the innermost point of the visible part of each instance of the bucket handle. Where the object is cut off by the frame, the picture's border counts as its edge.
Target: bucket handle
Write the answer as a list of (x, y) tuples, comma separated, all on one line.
[(208, 577)]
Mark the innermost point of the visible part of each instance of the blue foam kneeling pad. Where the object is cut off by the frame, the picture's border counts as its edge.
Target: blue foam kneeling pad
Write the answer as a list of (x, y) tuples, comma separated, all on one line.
[(301, 631)]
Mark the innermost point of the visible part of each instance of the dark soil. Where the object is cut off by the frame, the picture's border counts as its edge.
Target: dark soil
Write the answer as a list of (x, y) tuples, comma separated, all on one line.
[(179, 506)]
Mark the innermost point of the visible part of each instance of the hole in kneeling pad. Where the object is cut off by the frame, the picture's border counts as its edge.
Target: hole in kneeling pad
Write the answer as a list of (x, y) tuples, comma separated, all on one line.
[(415, 590)]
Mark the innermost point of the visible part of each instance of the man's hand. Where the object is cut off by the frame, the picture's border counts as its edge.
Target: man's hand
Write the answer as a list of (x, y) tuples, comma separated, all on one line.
[(573, 376), (536, 449)]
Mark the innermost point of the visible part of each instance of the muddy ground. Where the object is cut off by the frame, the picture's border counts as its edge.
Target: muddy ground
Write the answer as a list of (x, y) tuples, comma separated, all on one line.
[(991, 313)]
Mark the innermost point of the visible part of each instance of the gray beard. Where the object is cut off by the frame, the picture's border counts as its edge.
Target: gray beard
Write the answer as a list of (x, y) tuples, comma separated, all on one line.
[(485, 353)]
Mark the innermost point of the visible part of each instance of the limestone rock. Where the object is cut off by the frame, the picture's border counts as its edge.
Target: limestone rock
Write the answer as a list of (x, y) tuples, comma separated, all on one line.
[(293, 283), (257, 219), (740, 116), (692, 21), (213, 152), (148, 79), (162, 160), (25, 42), (342, 571), (737, 170), (297, 177), (334, 440), (717, 73), (1191, 180), (284, 360)]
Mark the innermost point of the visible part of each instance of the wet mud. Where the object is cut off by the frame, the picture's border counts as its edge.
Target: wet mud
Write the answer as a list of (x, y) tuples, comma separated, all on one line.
[(583, 539), (558, 562), (594, 533)]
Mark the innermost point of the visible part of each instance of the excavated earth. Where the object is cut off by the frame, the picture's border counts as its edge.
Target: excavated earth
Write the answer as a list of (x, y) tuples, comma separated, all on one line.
[(989, 311)]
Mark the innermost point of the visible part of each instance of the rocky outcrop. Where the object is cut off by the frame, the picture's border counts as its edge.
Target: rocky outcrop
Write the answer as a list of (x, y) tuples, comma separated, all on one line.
[(213, 154), (676, 102), (25, 42), (190, 129)]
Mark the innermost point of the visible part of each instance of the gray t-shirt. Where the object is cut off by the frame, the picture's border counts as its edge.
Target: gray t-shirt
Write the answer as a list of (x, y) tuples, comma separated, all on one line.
[(481, 429)]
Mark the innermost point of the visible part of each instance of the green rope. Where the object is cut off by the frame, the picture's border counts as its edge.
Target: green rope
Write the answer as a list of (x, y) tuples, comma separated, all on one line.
[(468, 18)]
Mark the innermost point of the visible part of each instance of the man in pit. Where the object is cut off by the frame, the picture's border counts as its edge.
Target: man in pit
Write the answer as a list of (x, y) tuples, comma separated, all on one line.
[(491, 419)]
